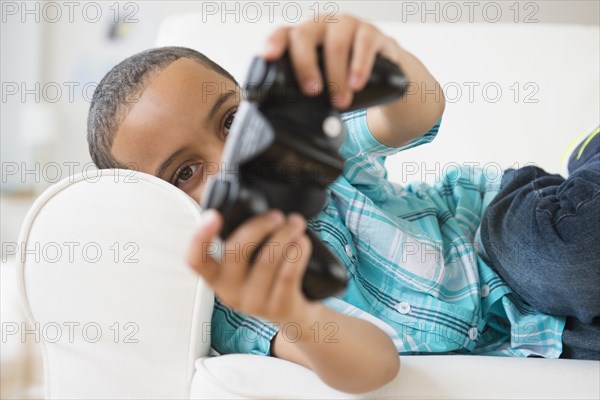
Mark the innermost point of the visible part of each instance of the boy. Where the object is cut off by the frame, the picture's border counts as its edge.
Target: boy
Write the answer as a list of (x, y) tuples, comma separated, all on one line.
[(420, 281)]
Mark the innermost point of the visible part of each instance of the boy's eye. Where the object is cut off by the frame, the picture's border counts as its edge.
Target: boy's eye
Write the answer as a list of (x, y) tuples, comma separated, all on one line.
[(185, 174), (228, 121)]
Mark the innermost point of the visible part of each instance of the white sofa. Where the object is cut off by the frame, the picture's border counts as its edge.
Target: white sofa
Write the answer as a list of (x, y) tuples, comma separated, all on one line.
[(170, 307), (134, 322)]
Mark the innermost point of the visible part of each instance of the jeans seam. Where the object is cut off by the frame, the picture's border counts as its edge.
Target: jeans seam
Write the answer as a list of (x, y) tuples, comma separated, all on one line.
[(576, 209)]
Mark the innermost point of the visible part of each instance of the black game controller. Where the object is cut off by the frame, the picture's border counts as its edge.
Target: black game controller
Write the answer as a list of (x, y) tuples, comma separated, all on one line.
[(282, 153)]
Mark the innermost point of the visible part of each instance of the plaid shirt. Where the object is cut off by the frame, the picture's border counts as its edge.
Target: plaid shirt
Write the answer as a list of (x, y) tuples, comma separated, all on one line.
[(416, 266)]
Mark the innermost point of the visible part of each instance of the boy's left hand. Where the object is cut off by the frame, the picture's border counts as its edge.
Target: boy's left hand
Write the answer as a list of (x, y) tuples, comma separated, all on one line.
[(350, 46)]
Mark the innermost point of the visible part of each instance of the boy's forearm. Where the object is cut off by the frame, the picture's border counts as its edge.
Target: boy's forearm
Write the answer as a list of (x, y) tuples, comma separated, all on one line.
[(396, 123), (349, 354)]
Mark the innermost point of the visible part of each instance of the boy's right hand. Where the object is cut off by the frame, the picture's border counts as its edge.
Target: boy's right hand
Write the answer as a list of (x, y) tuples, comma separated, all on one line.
[(269, 286)]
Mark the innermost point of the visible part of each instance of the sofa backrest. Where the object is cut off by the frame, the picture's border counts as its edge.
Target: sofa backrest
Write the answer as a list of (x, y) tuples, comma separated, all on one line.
[(104, 281), (516, 93)]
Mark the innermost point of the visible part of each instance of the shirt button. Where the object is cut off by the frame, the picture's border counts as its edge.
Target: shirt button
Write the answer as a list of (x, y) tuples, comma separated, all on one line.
[(485, 291), (403, 307), (473, 333), (348, 250)]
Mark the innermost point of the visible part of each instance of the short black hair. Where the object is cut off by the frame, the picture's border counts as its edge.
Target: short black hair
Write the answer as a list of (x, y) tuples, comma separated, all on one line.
[(124, 82)]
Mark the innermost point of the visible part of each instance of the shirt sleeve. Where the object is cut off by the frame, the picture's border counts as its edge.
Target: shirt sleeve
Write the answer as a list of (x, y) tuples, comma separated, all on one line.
[(365, 155), (235, 332)]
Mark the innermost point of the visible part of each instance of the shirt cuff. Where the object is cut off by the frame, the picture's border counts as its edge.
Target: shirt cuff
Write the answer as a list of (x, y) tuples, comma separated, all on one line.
[(358, 131)]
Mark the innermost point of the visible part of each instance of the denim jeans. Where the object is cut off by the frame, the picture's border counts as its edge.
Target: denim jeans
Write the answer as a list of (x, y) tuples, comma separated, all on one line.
[(542, 235)]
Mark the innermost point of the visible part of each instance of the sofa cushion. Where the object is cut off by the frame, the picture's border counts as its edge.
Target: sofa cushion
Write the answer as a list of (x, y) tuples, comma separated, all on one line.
[(426, 377)]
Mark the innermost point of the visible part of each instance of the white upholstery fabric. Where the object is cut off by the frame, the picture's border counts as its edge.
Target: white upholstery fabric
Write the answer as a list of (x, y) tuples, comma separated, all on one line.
[(429, 377), (146, 284)]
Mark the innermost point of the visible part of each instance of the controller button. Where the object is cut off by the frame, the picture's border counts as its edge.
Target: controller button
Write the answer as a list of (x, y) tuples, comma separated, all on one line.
[(332, 126)]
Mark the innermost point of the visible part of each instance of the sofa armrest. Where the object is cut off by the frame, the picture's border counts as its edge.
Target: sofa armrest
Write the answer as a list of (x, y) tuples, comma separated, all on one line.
[(104, 282)]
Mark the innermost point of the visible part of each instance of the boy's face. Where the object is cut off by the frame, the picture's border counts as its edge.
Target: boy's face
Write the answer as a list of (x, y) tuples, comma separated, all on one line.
[(176, 129)]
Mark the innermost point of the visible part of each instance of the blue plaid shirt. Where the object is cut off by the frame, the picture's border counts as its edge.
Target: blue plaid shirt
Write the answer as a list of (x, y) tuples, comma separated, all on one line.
[(416, 266)]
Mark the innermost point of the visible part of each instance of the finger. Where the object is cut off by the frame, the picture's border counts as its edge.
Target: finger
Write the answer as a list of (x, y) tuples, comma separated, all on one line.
[(289, 277), (240, 246), (276, 44), (263, 272), (367, 42), (390, 49), (337, 46), (202, 246), (303, 42)]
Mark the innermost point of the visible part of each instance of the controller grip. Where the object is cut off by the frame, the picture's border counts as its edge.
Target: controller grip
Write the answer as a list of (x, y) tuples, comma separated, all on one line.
[(386, 83), (325, 275)]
